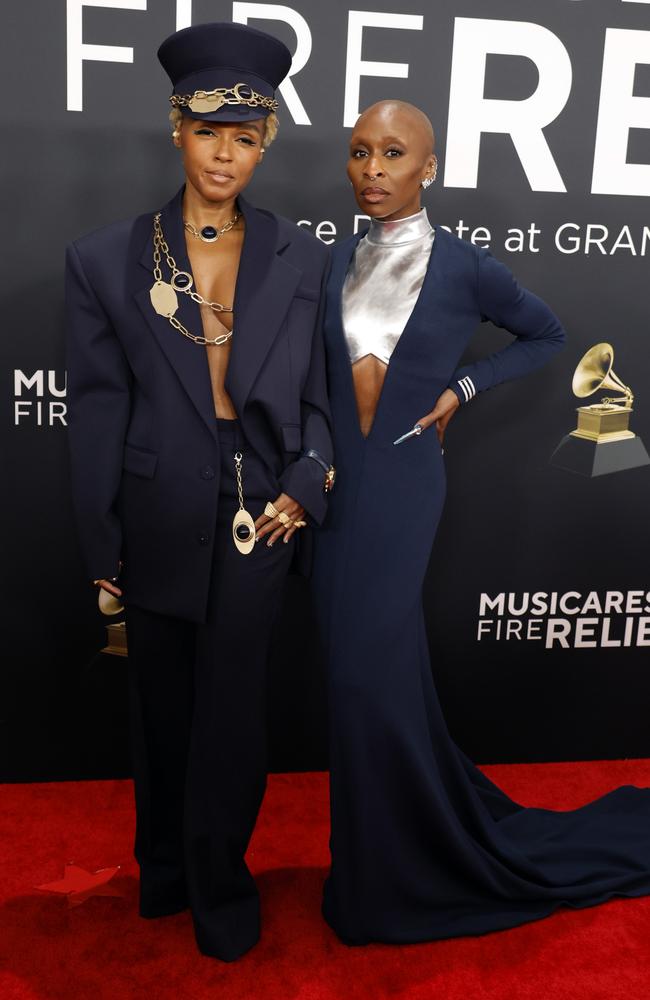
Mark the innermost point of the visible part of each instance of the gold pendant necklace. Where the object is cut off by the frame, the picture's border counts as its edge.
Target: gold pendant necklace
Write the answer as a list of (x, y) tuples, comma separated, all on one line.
[(210, 234), (243, 525), (163, 293)]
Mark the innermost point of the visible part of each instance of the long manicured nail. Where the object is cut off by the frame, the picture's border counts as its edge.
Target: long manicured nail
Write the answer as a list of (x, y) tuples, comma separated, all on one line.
[(269, 543)]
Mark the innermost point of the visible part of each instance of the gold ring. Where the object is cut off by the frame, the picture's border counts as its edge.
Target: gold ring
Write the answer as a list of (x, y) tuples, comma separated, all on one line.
[(300, 524), (284, 518), (270, 510)]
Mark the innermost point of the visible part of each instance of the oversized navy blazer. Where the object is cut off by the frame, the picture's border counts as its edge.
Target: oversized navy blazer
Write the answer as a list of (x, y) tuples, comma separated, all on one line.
[(142, 429)]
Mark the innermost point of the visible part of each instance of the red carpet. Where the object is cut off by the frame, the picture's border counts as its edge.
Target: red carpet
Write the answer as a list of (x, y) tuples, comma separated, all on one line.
[(103, 951)]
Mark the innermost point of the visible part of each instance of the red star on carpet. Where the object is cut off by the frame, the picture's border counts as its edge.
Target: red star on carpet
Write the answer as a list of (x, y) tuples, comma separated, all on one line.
[(79, 885)]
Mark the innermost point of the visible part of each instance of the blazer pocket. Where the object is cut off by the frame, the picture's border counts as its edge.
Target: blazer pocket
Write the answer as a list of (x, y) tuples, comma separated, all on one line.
[(139, 462), (292, 437)]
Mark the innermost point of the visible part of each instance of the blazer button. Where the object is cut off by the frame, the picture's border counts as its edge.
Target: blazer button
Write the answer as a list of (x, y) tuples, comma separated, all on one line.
[(203, 538), (207, 472)]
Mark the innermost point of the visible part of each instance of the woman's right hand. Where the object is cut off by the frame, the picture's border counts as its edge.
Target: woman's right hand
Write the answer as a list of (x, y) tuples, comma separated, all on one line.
[(441, 414)]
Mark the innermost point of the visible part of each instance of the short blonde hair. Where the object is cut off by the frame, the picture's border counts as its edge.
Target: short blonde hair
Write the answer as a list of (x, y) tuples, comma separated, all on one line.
[(271, 125)]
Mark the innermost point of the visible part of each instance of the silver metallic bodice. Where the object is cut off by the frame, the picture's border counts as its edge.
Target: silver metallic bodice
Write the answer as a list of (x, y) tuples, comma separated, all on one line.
[(383, 282)]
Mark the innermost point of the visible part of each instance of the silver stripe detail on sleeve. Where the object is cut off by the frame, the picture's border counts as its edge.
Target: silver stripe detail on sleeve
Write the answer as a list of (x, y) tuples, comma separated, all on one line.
[(468, 388)]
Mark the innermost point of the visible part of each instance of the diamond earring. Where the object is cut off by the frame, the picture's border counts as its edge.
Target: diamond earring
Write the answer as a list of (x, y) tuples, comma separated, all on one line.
[(428, 181)]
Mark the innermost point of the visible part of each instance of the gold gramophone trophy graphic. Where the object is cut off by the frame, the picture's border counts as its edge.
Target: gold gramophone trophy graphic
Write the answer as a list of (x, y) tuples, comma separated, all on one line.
[(602, 442)]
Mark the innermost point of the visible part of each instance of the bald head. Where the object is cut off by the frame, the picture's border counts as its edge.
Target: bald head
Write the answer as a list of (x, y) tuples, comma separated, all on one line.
[(391, 158), (395, 113)]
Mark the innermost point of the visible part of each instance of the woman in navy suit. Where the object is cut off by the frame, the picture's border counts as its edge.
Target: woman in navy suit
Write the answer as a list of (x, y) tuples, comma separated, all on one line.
[(198, 422), (423, 845)]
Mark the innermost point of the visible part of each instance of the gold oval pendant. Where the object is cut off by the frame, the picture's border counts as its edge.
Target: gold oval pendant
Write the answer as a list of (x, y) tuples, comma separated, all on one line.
[(245, 542), (108, 603), (204, 104), (163, 298)]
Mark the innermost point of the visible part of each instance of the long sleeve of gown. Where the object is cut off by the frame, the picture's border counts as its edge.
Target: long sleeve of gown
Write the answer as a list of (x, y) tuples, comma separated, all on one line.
[(538, 332)]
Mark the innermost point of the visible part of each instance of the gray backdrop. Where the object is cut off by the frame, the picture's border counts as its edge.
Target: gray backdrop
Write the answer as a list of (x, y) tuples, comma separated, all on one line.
[(542, 112)]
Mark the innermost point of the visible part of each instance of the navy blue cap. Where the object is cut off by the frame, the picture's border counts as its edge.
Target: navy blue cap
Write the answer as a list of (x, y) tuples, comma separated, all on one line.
[(248, 63)]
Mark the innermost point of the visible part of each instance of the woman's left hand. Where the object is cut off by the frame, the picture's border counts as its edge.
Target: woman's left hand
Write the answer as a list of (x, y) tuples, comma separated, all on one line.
[(271, 526), (441, 414)]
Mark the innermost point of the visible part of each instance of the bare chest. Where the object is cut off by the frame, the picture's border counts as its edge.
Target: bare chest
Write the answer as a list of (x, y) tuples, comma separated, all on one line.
[(215, 269)]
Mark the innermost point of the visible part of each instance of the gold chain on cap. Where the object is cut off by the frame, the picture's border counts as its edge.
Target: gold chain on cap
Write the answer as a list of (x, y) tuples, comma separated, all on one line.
[(206, 101)]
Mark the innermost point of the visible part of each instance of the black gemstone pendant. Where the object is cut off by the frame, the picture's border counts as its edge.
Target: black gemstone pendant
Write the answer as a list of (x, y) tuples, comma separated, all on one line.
[(243, 532), (209, 234), (183, 280)]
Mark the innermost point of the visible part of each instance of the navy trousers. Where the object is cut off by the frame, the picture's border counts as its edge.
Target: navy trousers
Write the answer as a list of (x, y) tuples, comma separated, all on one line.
[(198, 710)]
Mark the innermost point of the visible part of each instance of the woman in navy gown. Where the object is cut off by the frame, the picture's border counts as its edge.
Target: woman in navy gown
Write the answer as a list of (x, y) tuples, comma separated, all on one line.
[(423, 845)]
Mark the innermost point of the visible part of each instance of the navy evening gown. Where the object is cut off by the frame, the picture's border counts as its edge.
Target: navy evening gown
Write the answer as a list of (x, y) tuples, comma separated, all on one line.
[(423, 845)]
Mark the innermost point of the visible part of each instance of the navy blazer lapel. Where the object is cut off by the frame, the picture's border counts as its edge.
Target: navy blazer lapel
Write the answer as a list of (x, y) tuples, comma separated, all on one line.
[(266, 284), (188, 359)]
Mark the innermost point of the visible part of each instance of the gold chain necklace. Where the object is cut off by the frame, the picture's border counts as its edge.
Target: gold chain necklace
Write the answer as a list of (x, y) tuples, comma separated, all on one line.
[(163, 293), (210, 234)]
